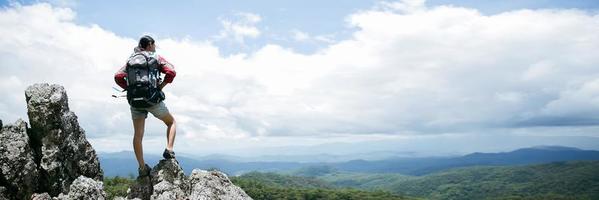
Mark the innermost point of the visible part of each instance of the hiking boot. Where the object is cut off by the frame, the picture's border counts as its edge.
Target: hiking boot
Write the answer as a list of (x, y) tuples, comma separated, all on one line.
[(144, 171), (168, 154)]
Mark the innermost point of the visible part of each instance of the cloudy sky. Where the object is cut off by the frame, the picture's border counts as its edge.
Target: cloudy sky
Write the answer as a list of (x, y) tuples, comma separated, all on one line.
[(278, 77)]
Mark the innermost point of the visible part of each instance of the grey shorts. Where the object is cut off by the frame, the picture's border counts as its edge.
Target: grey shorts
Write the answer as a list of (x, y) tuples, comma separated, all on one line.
[(158, 110)]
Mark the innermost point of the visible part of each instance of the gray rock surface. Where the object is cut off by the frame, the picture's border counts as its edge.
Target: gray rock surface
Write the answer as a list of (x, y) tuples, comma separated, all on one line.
[(85, 188), (169, 181), (206, 185), (63, 151), (42, 161), (42, 196), (17, 166)]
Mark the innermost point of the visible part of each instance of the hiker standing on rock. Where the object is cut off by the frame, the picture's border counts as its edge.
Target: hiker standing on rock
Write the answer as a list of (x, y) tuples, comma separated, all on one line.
[(140, 77)]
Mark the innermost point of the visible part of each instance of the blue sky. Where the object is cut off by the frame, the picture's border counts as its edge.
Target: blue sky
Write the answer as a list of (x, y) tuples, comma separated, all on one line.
[(201, 20), (262, 75)]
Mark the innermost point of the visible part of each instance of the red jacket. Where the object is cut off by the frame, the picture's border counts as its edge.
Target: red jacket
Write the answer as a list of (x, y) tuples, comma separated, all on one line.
[(165, 67)]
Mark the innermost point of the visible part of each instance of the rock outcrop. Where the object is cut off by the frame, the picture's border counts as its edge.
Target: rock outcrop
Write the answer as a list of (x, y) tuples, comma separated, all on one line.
[(213, 185), (64, 153), (82, 188), (169, 182), (52, 160), (47, 157)]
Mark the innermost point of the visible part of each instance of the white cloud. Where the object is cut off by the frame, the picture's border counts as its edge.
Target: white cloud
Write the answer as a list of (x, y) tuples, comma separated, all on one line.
[(242, 26), (249, 18), (325, 38), (62, 3), (437, 70), (581, 101), (301, 36), (405, 6)]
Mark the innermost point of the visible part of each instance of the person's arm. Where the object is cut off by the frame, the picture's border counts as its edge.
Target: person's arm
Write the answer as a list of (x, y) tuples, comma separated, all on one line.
[(168, 69), (162, 84), (119, 78)]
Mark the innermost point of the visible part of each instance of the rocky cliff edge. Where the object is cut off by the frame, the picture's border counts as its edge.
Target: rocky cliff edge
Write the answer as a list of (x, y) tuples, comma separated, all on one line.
[(51, 159)]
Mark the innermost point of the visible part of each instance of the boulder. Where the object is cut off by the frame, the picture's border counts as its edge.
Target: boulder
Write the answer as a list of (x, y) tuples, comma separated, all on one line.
[(166, 181), (18, 171), (207, 185), (85, 188), (169, 181), (58, 140)]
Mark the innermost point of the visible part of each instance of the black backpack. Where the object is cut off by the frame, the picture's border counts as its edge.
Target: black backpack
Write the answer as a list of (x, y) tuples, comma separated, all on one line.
[(143, 75)]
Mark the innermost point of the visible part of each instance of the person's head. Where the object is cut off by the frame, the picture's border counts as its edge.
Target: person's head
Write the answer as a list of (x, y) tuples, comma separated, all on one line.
[(147, 43)]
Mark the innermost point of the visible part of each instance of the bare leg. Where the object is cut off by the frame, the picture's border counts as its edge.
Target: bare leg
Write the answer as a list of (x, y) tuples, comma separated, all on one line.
[(138, 128), (171, 130)]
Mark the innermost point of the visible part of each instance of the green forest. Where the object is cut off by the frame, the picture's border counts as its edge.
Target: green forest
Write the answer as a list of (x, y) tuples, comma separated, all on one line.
[(559, 180)]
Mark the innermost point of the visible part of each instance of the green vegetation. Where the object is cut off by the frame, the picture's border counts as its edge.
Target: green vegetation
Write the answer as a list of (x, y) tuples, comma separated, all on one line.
[(260, 187), (314, 171), (340, 179), (279, 180), (367, 181), (117, 186)]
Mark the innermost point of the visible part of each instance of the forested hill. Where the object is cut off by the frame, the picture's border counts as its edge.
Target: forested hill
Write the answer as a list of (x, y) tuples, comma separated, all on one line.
[(567, 180), (276, 186), (559, 180)]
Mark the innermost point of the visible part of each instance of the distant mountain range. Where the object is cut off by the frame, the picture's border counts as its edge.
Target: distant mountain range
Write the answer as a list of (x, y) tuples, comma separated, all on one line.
[(124, 163), (311, 158), (421, 166)]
